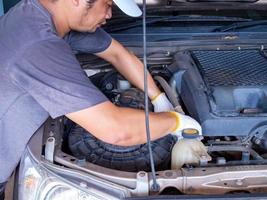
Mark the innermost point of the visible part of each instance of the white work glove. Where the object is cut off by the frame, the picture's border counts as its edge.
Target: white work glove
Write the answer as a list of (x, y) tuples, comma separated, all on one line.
[(185, 122), (161, 103)]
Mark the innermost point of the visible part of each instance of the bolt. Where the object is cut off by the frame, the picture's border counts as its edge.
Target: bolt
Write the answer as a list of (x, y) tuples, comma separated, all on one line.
[(109, 86), (239, 182), (168, 174), (83, 184), (142, 174), (51, 133), (257, 141), (81, 162)]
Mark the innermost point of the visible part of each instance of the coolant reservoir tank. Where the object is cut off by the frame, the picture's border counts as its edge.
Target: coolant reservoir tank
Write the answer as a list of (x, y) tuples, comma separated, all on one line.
[(189, 150)]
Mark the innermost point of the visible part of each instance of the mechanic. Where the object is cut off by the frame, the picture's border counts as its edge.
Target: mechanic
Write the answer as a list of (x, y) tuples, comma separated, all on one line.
[(40, 77)]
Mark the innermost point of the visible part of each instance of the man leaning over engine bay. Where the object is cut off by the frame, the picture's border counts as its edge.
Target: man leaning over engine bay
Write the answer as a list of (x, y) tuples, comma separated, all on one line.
[(41, 77)]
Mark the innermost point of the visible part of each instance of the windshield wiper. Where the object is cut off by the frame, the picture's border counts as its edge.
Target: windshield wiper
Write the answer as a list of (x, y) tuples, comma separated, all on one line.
[(124, 24), (239, 25)]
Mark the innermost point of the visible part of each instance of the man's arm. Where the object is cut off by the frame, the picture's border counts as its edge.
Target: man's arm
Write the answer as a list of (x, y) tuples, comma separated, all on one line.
[(129, 66), (122, 126)]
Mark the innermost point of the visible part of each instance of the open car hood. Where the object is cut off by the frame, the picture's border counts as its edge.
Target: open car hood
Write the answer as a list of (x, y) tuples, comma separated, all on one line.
[(207, 4)]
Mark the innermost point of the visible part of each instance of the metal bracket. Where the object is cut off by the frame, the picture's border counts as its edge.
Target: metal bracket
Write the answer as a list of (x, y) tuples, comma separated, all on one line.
[(50, 149), (142, 184)]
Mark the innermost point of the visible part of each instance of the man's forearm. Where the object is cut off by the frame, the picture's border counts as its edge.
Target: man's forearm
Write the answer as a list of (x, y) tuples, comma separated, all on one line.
[(122, 126), (134, 126), (129, 66), (133, 70)]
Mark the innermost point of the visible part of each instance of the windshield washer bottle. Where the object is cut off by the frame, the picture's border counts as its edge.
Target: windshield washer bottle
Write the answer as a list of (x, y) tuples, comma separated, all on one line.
[(188, 150)]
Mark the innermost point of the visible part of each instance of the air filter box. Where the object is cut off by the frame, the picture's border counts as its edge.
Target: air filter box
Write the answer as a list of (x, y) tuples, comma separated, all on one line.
[(226, 91)]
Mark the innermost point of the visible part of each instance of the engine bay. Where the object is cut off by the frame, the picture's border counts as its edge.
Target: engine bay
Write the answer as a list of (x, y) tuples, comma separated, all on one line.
[(224, 90)]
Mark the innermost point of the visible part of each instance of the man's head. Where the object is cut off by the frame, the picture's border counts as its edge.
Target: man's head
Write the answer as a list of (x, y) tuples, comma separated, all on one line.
[(94, 13), (86, 15)]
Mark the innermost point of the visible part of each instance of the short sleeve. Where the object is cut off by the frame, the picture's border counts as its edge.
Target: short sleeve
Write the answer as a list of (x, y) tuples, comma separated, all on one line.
[(95, 42), (50, 73)]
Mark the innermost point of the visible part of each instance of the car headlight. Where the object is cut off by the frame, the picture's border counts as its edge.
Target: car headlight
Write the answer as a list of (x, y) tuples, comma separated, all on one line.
[(38, 183)]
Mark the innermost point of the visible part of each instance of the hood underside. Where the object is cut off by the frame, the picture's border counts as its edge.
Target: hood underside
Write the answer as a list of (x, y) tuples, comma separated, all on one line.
[(207, 4)]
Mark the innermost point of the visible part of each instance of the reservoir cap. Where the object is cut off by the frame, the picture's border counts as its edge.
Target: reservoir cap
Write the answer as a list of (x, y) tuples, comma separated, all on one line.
[(190, 133)]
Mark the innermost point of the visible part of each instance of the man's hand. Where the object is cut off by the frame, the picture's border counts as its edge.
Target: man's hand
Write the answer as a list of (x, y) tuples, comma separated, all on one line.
[(161, 103), (185, 122)]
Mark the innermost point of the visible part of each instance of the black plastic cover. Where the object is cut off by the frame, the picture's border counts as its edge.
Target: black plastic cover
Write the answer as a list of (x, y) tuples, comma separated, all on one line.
[(226, 91)]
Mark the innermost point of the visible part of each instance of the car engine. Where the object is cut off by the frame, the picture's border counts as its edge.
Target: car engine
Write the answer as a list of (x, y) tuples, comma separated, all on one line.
[(225, 90)]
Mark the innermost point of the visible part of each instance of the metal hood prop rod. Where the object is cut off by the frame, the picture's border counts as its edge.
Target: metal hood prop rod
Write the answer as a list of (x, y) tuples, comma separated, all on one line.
[(155, 187)]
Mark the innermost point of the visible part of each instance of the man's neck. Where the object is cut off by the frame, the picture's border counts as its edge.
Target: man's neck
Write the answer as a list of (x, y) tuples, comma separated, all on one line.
[(57, 14)]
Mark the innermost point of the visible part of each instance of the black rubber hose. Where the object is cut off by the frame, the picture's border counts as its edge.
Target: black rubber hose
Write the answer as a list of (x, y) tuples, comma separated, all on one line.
[(170, 94)]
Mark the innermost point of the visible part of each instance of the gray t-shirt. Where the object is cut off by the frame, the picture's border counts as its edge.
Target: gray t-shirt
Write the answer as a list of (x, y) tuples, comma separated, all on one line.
[(39, 76)]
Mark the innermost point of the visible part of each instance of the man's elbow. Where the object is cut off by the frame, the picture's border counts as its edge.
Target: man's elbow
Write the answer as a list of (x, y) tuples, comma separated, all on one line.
[(119, 139), (120, 136)]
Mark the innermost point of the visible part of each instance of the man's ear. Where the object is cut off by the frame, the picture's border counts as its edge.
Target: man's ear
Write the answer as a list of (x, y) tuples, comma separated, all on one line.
[(76, 2)]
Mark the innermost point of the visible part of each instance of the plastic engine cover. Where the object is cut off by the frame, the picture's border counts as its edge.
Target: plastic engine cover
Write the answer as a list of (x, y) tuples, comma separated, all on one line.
[(224, 90)]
